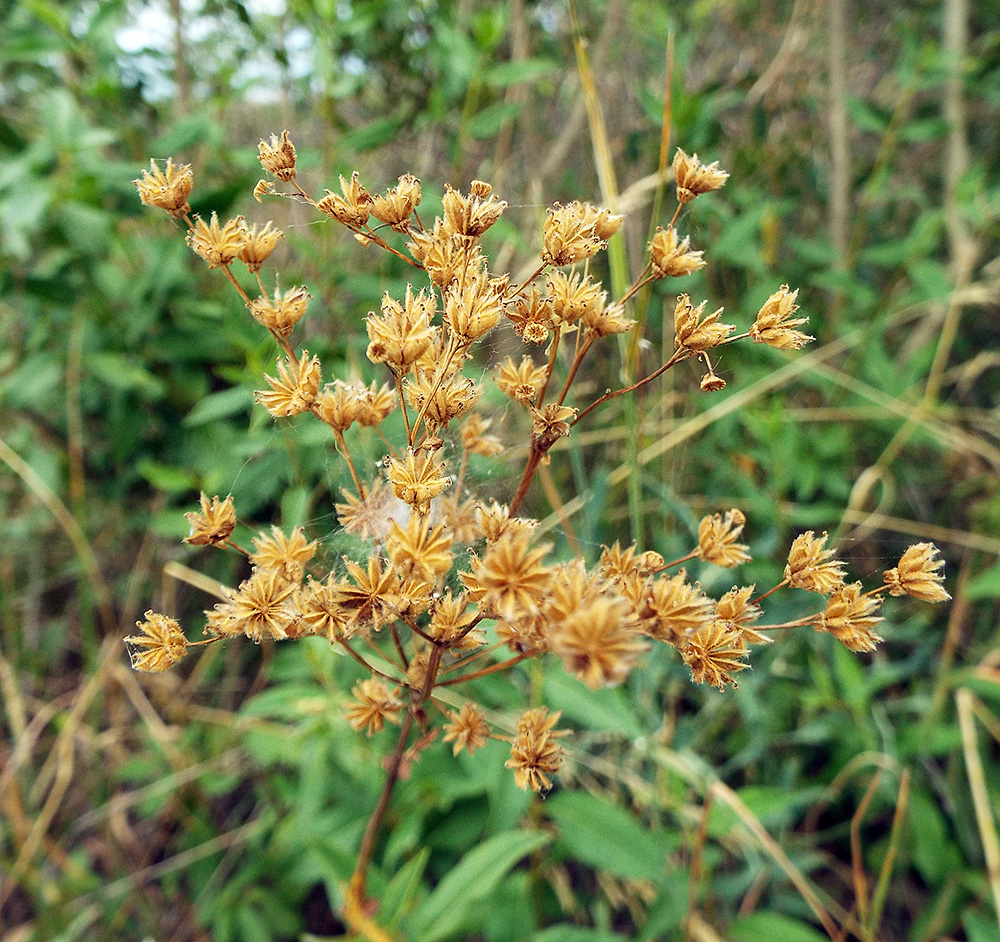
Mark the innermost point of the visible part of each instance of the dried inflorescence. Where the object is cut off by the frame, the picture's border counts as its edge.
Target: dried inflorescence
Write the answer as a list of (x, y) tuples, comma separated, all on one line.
[(453, 587)]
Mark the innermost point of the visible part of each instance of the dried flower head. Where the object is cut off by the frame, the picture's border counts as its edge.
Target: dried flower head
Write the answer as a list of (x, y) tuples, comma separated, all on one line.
[(320, 612), (693, 177), (850, 616), (736, 608), (417, 479), (446, 255), (535, 754), (370, 599), (694, 332), (278, 156), (472, 215), (530, 315), (214, 525), (403, 332), (598, 641), (810, 566), (605, 321), (295, 389), (398, 203), (262, 607), (262, 189), (259, 246), (371, 516), (475, 439), (373, 705), (775, 325), (468, 729), (576, 232), (440, 400), (160, 646), (671, 257), (512, 575), (450, 621), (283, 313), (419, 549), (672, 609), (573, 297), (286, 555), (473, 307), (339, 404), (521, 382), (353, 208), (166, 189), (550, 424), (713, 653), (717, 536), (918, 574), (218, 245)]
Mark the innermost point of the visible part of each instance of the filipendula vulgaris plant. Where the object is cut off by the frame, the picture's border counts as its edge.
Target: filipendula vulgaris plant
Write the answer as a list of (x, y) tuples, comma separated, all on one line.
[(450, 580)]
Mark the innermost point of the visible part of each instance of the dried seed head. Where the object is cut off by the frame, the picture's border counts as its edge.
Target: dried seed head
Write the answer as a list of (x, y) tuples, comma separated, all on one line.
[(472, 215), (672, 258), (371, 517), (398, 204), (319, 611), (160, 646), (605, 321), (475, 439), (340, 404), (278, 156), (468, 729), (775, 325), (218, 246), (530, 315), (521, 382), (373, 705), (369, 597), (286, 555), (713, 653), (573, 297), (259, 246), (283, 313), (450, 618), (535, 754), (694, 332), (351, 209), (693, 177), (717, 538), (918, 574), (576, 232), (495, 521), (375, 403), (445, 255), (262, 607), (295, 390), (850, 617), (473, 309), (512, 576), (736, 608), (440, 401), (711, 382), (417, 479), (403, 333), (214, 525), (550, 424), (166, 189), (672, 609), (810, 566), (419, 550)]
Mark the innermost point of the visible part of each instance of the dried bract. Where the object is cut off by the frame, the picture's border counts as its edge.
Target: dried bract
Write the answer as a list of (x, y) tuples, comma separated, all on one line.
[(353, 208), (713, 653), (218, 245), (576, 232), (398, 204), (717, 536), (535, 754), (472, 215), (286, 555), (417, 479), (694, 332), (283, 313), (672, 258), (295, 389), (160, 646), (166, 189), (693, 177), (468, 729), (214, 525), (850, 616), (373, 705), (259, 246), (918, 574), (278, 156), (775, 325), (810, 566)]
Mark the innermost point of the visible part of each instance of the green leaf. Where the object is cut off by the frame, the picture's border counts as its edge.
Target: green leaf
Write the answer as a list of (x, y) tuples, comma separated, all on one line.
[(403, 887), (522, 72), (775, 928), (577, 934), (986, 585), (605, 710), (220, 405), (446, 911), (609, 838)]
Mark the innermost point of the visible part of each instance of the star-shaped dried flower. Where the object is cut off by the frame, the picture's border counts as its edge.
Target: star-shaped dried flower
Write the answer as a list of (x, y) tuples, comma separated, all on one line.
[(403, 332), (475, 439), (440, 400), (375, 403), (694, 332), (810, 566), (672, 258), (598, 641), (576, 232), (717, 536), (736, 608), (417, 479), (450, 618), (419, 549), (713, 653), (160, 646), (319, 610), (606, 321), (693, 177), (672, 609), (259, 246), (521, 382), (398, 203), (339, 404), (473, 307), (370, 517), (166, 189), (278, 156), (296, 388), (468, 729), (217, 245), (850, 616), (446, 256), (370, 599), (283, 313), (472, 215), (512, 575), (214, 525), (530, 315), (373, 705), (775, 325), (918, 574), (550, 424), (261, 608), (286, 555), (351, 209), (535, 754), (573, 297)]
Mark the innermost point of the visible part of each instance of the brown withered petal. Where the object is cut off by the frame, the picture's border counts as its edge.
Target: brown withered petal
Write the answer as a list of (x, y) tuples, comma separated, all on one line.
[(693, 177), (373, 705), (277, 156), (775, 325), (717, 536), (850, 616), (286, 555), (918, 574), (375, 403), (160, 646), (811, 567), (296, 388), (283, 313), (693, 331), (166, 189), (445, 255), (217, 245), (259, 246), (468, 729), (671, 257), (535, 754), (573, 296), (713, 653), (214, 525)]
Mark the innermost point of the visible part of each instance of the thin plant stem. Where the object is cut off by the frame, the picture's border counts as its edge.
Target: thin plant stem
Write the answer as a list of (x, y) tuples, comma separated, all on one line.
[(492, 669)]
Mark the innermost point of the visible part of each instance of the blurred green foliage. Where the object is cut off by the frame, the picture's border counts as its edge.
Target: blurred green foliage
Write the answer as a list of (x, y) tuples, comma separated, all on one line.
[(227, 801)]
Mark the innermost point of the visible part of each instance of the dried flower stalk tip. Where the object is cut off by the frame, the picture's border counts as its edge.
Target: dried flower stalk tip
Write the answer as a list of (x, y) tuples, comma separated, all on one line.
[(373, 705), (398, 204), (576, 232), (713, 653), (693, 177), (160, 646), (467, 729), (166, 189), (214, 525), (918, 574), (259, 246), (472, 215), (717, 536), (278, 156), (775, 325), (694, 332), (353, 208)]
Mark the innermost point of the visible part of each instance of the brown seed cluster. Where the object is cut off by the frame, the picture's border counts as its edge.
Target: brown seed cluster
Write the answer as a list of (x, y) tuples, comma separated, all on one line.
[(452, 587)]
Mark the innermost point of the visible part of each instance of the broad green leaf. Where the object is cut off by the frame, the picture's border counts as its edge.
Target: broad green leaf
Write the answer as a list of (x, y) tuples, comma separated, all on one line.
[(220, 405), (604, 710), (577, 934), (464, 888), (403, 887), (774, 927)]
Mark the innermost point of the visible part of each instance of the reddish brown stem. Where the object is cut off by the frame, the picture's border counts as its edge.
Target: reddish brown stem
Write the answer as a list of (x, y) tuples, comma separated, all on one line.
[(492, 669), (534, 459), (673, 361)]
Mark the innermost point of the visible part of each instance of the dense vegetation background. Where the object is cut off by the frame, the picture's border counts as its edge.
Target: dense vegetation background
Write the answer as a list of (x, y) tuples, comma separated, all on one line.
[(225, 800)]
